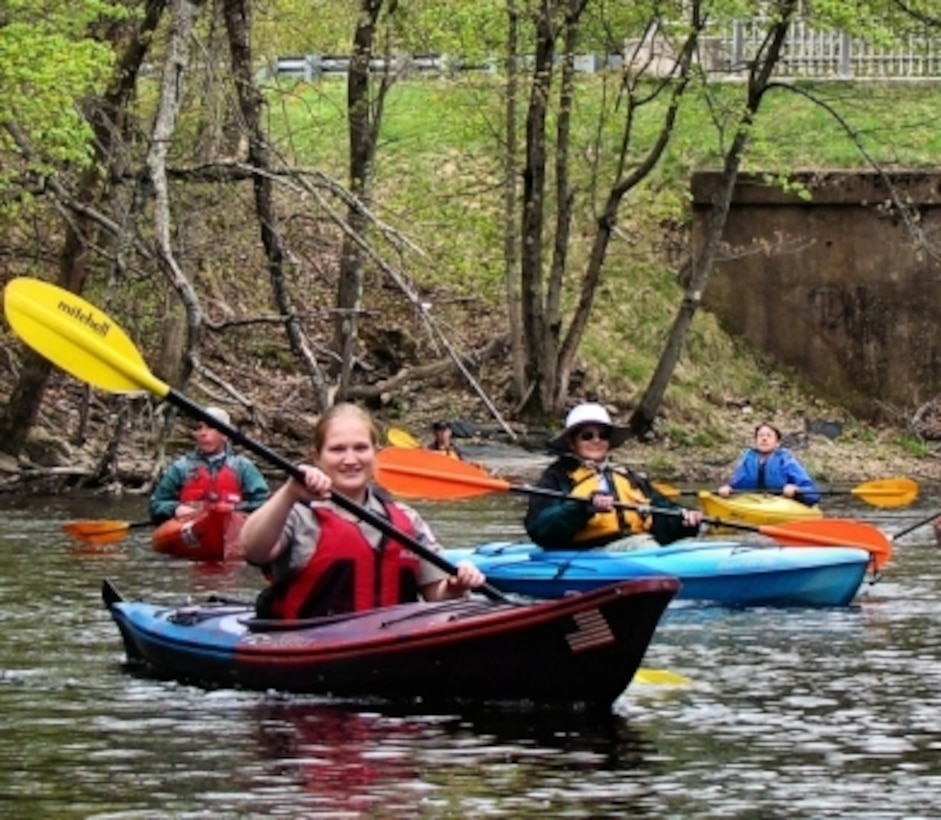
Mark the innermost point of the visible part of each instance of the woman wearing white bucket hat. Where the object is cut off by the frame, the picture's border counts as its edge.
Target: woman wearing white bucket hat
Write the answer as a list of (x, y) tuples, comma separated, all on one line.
[(583, 469)]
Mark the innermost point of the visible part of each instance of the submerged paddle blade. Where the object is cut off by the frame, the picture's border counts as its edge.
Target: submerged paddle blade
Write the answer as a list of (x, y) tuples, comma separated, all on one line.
[(96, 532), (660, 677), (832, 532), (101, 531), (76, 336), (411, 473)]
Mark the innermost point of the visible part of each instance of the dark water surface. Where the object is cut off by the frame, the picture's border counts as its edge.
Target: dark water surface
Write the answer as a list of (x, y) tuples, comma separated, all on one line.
[(789, 713)]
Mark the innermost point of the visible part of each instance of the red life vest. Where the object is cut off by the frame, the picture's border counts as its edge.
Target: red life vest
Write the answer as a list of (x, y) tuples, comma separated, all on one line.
[(201, 485), (345, 573)]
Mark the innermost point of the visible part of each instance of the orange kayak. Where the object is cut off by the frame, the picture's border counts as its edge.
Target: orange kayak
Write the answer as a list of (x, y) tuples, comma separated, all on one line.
[(209, 535)]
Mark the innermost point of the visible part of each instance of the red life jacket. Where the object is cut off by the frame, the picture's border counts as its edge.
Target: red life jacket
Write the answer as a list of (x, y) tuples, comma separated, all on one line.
[(201, 485), (345, 573)]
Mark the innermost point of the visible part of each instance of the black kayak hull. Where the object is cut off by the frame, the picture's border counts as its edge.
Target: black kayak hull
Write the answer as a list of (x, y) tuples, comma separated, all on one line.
[(580, 649)]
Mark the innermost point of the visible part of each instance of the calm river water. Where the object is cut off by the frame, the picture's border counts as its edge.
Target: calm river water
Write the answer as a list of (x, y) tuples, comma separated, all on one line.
[(789, 713)]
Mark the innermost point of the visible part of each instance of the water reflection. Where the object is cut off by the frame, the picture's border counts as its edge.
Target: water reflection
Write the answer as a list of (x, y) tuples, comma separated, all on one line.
[(466, 764)]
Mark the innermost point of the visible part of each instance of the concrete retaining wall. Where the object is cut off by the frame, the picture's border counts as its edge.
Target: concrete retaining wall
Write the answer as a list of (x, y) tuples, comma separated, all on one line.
[(838, 287)]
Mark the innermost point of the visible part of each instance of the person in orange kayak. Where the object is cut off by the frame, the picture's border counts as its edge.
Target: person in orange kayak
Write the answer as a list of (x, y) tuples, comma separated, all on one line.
[(211, 473), (770, 467), (443, 440), (584, 469), (322, 559)]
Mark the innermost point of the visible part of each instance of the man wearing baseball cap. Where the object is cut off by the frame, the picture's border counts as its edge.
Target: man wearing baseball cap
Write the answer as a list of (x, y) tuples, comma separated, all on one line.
[(212, 472)]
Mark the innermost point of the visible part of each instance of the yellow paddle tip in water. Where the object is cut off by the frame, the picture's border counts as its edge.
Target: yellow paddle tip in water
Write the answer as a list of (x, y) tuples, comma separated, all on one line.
[(660, 677)]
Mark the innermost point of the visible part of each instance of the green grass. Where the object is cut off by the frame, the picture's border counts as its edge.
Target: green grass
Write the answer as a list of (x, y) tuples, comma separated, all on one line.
[(438, 179)]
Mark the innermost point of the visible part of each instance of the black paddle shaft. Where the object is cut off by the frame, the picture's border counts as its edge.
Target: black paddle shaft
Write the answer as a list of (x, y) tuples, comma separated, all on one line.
[(916, 525), (643, 509), (383, 525)]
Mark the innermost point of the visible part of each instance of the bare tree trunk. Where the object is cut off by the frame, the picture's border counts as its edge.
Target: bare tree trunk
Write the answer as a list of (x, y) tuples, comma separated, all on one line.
[(364, 127), (769, 54), (238, 25), (555, 384), (625, 182), (510, 188), (183, 15), (542, 311), (536, 333)]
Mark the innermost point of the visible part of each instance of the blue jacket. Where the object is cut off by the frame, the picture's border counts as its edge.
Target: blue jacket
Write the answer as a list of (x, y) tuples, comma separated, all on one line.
[(781, 468)]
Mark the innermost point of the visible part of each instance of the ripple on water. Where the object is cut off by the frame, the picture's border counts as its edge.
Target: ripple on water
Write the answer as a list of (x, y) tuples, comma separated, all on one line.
[(789, 713)]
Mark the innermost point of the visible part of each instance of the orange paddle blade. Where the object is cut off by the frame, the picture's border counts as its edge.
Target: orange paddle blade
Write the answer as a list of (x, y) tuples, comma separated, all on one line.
[(832, 532), (96, 532), (101, 531), (416, 473)]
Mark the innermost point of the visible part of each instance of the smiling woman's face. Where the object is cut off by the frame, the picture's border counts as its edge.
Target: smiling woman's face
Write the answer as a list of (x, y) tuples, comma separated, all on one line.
[(348, 455), (590, 442)]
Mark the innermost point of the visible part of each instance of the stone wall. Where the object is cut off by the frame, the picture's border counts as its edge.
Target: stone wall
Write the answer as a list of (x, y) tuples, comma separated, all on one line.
[(843, 286)]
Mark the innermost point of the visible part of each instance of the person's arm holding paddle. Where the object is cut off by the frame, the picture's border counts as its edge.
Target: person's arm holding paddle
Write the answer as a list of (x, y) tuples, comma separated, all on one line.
[(265, 534)]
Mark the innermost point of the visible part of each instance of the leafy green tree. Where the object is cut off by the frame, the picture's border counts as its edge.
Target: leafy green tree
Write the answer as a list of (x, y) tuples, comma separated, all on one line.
[(51, 60), (66, 92)]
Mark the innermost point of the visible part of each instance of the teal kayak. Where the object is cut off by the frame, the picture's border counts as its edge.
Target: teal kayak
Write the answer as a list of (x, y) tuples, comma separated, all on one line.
[(730, 573)]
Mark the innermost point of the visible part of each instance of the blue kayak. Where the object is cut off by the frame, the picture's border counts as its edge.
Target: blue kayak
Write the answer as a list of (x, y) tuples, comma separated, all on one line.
[(582, 649), (730, 573)]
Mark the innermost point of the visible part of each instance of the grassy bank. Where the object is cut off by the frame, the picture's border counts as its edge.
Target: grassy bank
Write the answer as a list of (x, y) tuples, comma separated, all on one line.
[(438, 181)]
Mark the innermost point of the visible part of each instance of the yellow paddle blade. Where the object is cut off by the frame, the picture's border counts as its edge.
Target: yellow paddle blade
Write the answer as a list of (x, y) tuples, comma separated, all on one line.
[(398, 437), (888, 493), (76, 336), (660, 677)]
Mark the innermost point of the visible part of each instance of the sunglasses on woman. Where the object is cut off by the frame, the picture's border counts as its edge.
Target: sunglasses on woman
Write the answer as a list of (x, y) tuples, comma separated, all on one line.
[(593, 433)]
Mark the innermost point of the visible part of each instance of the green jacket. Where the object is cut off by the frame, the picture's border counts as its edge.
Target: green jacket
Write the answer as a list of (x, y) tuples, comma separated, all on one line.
[(166, 495)]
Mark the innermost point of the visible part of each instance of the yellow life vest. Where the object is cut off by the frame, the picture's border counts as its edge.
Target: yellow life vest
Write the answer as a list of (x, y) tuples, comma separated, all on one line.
[(450, 451), (619, 522)]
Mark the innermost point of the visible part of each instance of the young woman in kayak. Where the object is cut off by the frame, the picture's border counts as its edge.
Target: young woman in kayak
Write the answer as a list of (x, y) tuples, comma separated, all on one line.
[(769, 467), (597, 518), (321, 559)]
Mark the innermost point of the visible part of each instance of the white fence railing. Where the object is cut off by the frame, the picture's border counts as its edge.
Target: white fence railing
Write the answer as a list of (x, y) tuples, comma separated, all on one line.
[(819, 54), (725, 52)]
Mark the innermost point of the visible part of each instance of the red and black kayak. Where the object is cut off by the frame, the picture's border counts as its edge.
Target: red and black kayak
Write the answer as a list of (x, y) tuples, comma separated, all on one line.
[(580, 649), (209, 535)]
